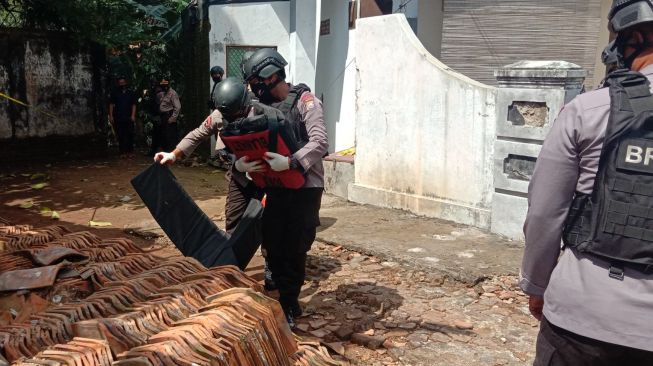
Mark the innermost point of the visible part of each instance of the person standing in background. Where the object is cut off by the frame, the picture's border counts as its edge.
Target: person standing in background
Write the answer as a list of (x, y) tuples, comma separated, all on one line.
[(169, 111), (122, 116), (152, 101)]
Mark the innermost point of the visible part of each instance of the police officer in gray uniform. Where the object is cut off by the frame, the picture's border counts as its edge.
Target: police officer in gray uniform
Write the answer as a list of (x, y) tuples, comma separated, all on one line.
[(291, 216), (227, 95), (593, 188)]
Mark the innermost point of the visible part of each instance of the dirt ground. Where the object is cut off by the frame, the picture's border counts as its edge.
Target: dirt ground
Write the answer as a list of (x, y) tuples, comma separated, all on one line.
[(370, 310)]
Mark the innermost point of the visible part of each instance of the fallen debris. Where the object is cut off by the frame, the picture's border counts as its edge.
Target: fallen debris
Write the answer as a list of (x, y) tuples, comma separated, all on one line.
[(25, 279), (118, 305)]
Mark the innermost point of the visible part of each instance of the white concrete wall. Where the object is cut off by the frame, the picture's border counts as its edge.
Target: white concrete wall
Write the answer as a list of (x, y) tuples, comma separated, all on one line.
[(346, 123), (424, 133), (336, 75), (288, 25), (255, 24)]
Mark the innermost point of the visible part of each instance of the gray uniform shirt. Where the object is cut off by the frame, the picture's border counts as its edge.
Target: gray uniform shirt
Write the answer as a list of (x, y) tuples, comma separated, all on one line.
[(210, 127), (170, 102), (310, 156), (578, 293)]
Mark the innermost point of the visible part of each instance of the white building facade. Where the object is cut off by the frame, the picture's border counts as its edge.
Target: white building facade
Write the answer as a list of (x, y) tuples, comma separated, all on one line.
[(428, 139)]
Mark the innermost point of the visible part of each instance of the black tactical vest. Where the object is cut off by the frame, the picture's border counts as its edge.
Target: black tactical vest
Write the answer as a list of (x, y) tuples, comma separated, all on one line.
[(290, 110), (615, 221)]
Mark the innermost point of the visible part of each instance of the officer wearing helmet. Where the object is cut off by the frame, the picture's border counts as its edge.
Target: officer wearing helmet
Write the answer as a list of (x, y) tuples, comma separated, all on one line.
[(291, 216), (233, 101), (217, 73), (246, 57), (591, 189), (219, 156)]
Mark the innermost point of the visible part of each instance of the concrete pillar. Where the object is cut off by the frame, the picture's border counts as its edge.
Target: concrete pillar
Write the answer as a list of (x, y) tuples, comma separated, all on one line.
[(429, 25), (303, 41), (530, 94)]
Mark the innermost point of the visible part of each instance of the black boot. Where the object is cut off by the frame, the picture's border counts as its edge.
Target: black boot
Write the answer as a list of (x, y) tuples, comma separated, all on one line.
[(291, 307), (291, 320), (269, 284), (296, 309)]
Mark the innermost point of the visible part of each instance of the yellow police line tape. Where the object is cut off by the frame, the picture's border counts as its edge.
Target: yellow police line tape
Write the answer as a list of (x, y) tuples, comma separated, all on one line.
[(19, 102)]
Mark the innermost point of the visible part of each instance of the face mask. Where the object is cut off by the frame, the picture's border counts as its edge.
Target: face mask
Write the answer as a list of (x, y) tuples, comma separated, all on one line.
[(216, 79), (263, 93)]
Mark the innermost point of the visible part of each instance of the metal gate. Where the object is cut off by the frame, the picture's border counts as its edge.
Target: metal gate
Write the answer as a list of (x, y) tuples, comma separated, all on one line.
[(235, 58)]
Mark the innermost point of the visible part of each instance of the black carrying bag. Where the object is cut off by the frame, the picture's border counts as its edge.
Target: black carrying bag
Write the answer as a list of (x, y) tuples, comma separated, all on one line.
[(188, 227)]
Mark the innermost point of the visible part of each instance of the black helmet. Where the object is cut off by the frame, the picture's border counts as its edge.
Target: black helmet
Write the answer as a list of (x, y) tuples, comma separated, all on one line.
[(231, 96), (627, 13), (217, 70), (264, 63), (246, 57)]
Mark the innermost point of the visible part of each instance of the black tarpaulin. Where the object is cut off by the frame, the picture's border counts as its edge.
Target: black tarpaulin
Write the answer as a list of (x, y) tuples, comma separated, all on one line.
[(188, 227)]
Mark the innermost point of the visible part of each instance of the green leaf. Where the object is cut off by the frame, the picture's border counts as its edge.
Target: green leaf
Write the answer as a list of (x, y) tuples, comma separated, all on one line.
[(39, 185), (27, 205), (39, 176), (45, 211), (171, 33), (55, 215), (99, 223)]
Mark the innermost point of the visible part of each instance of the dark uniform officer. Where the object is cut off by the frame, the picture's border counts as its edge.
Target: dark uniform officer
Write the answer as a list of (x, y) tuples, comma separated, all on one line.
[(217, 73), (291, 216), (122, 114), (241, 190), (595, 308)]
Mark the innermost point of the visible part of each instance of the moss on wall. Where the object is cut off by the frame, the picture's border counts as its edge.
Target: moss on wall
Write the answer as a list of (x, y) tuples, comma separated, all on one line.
[(61, 80)]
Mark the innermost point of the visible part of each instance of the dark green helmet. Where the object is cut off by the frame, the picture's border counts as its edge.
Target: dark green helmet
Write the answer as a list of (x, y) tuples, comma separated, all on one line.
[(627, 13), (264, 63), (231, 97), (246, 57)]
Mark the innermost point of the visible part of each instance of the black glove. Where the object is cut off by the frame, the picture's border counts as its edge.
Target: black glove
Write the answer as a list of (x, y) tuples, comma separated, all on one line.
[(210, 104)]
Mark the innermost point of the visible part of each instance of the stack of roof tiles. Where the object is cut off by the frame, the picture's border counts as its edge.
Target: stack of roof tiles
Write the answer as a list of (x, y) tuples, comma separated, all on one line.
[(126, 307)]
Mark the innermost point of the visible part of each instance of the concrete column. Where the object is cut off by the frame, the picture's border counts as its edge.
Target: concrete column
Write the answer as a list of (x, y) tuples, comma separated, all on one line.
[(429, 25), (529, 97), (303, 41)]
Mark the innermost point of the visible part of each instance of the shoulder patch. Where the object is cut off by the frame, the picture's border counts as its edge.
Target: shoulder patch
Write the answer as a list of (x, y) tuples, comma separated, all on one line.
[(208, 122), (306, 96), (308, 99)]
